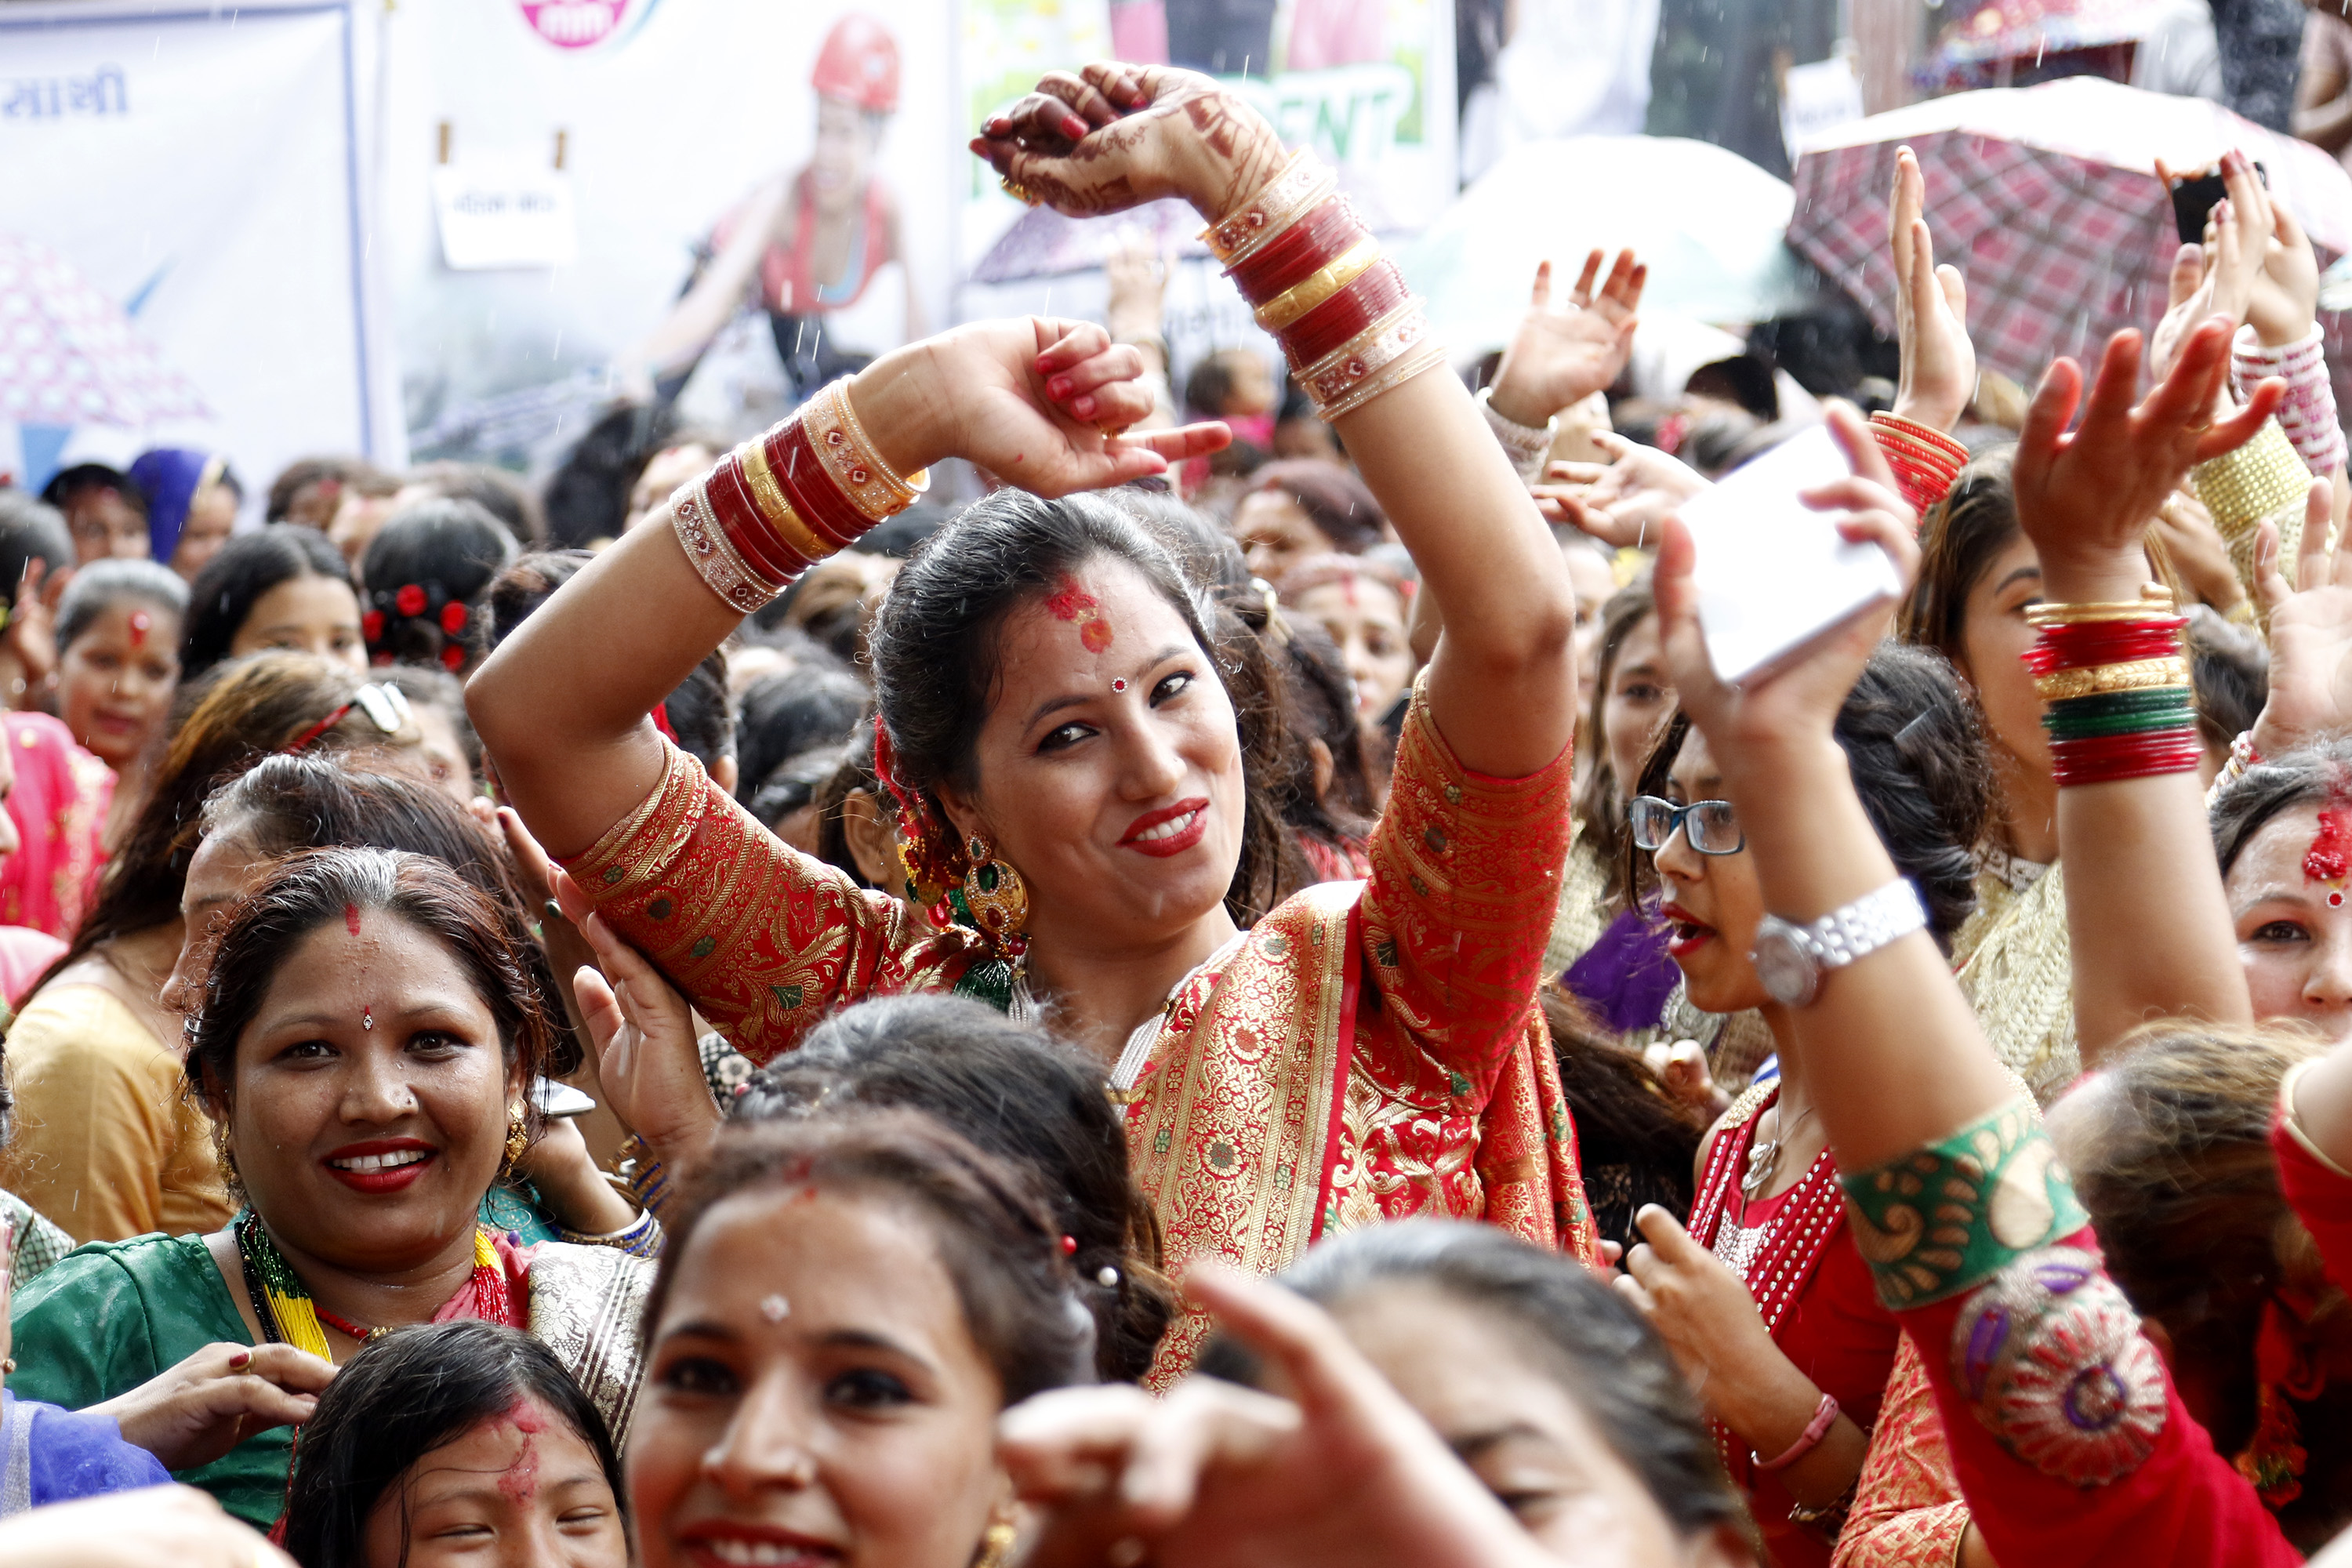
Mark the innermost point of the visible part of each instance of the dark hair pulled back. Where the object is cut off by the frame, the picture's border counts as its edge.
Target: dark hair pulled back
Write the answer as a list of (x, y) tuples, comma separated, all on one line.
[(424, 576), (1916, 752), (1608, 1360), (1975, 522), (935, 655), (997, 1240), (401, 1398), (2242, 807), (1019, 1094), (317, 887), (246, 567)]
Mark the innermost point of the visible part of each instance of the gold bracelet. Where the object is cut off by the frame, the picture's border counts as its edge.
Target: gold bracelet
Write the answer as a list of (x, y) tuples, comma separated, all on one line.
[(840, 444), (1319, 285), (2099, 679), (2155, 600), (1345, 369), (1430, 356), (905, 489), (2262, 478), (1282, 201), (774, 506), (712, 556)]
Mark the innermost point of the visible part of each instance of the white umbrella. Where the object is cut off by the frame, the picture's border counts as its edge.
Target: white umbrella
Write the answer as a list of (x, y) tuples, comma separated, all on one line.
[(1710, 224)]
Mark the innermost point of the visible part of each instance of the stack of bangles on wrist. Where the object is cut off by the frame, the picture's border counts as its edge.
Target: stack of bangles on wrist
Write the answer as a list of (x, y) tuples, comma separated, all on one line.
[(1925, 462), (2114, 677), (783, 502), (1318, 280), (2308, 416)]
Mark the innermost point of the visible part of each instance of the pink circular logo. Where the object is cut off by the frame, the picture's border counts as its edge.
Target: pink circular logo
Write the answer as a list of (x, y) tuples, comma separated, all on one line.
[(574, 24)]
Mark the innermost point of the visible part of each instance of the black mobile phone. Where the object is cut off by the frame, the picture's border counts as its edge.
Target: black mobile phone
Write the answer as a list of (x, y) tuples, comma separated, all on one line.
[(2194, 198)]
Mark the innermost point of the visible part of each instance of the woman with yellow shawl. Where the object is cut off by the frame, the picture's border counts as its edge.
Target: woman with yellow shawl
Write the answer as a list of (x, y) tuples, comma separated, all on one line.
[(1087, 823)]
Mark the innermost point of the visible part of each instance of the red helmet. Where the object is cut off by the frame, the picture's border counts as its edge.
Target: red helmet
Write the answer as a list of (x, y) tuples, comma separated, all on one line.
[(859, 62)]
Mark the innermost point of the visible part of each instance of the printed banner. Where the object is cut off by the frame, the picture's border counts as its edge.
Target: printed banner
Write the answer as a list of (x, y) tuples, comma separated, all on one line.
[(186, 224)]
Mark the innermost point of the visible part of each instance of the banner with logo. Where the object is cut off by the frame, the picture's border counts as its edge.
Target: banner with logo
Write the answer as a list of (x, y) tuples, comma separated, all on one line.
[(186, 245)]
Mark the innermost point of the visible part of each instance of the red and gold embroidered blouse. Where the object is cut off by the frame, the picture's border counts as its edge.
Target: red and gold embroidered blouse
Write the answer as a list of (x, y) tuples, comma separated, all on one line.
[(1371, 1051)]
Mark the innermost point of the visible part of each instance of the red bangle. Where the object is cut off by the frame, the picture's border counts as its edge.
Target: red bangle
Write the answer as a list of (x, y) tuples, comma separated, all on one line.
[(1299, 250), (811, 490), (747, 527), (2105, 759), (1380, 289), (2086, 644), (1826, 1416)]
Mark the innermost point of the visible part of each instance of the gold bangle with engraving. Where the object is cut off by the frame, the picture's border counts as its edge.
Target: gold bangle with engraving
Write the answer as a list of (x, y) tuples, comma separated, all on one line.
[(849, 459), (2155, 603), (712, 555), (1430, 356), (1319, 285), (2096, 680), (1303, 184), (751, 457)]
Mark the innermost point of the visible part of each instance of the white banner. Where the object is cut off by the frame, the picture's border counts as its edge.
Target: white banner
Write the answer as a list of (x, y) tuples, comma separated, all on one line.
[(204, 168)]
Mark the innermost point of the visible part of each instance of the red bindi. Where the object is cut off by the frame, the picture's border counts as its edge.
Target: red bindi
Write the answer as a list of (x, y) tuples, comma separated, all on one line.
[(351, 919), (140, 621)]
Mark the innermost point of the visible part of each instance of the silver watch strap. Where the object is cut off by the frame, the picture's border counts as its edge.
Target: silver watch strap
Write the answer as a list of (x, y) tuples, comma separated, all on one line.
[(1865, 925)]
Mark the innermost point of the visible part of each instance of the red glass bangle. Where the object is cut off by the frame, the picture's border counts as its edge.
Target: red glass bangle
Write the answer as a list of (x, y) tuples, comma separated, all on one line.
[(810, 488), (2102, 758), (747, 529), (1329, 325), (2086, 644), (1315, 239)]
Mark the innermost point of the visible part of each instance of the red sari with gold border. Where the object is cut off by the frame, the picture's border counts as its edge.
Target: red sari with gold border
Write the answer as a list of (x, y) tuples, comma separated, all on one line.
[(1371, 1051)]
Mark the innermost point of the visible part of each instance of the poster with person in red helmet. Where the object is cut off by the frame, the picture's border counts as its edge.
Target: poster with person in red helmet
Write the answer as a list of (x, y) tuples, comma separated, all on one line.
[(808, 242)]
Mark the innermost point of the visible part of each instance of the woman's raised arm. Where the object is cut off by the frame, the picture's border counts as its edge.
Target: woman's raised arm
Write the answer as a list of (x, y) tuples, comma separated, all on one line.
[(561, 706), (1502, 686)]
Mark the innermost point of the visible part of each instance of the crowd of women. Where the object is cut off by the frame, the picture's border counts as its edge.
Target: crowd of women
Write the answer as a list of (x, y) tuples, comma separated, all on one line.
[(1304, 1026)]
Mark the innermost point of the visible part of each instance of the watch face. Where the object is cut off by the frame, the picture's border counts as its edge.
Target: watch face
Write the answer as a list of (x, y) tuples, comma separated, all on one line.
[(1786, 969)]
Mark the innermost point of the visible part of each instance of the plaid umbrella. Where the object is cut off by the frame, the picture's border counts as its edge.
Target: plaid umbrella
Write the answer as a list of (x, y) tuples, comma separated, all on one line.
[(69, 356), (2046, 199)]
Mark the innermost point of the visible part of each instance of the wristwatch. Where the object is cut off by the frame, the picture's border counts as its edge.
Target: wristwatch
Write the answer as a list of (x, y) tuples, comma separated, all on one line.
[(1789, 958)]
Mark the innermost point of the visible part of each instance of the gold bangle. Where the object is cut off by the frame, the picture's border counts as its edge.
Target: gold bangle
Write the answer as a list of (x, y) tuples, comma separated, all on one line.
[(1333, 379), (2099, 679), (2262, 478), (1319, 285), (713, 558), (849, 459), (2155, 602), (907, 488), (1302, 186), (775, 507), (1430, 356)]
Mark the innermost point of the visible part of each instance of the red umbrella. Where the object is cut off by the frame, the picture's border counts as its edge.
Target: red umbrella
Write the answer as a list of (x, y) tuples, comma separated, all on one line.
[(2047, 199), (69, 356)]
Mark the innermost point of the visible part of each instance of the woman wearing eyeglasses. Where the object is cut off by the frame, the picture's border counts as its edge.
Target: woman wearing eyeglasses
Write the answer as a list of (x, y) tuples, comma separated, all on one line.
[(1765, 1296), (107, 1145)]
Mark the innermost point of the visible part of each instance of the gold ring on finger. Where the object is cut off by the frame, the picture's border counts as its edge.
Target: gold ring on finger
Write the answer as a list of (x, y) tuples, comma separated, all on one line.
[(1017, 191)]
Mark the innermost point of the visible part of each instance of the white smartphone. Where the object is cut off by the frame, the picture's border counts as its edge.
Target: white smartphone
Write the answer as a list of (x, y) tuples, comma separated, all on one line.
[(1772, 575)]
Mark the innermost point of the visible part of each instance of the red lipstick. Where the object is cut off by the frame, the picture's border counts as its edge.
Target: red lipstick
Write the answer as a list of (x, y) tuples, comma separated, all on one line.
[(1171, 830), (381, 1165)]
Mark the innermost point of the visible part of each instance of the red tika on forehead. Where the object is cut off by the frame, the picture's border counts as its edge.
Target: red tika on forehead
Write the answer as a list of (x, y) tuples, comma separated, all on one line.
[(351, 919), (1071, 602), (2329, 858), (140, 621)]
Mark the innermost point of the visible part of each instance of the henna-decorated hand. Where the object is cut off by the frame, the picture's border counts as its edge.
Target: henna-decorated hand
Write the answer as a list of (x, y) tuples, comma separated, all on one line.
[(1030, 400), (1561, 357), (1931, 305), (2086, 499), (1113, 136)]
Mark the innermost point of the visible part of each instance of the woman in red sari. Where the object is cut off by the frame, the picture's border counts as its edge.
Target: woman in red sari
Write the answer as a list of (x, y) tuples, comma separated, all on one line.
[(2069, 1440), (1056, 726)]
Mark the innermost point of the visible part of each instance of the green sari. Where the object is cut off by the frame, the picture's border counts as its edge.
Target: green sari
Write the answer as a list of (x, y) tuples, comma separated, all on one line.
[(112, 1315)]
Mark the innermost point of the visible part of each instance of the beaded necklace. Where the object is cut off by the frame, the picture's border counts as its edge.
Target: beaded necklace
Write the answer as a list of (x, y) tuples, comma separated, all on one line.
[(288, 1316)]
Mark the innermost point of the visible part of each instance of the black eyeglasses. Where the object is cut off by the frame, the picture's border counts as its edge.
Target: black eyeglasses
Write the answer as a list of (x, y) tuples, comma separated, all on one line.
[(1710, 825)]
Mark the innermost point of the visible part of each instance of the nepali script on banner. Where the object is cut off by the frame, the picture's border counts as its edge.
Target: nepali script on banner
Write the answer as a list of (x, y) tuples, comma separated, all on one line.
[(201, 169)]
